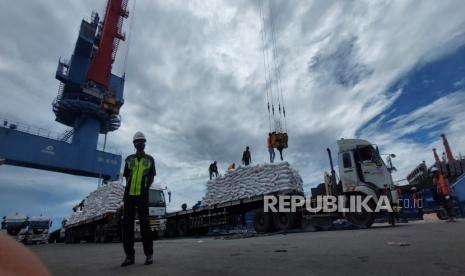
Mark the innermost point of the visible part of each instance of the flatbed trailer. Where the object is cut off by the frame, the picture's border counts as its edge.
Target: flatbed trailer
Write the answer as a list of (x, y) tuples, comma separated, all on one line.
[(102, 228), (197, 221)]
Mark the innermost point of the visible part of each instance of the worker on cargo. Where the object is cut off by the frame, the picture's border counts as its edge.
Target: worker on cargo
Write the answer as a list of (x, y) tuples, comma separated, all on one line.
[(441, 192), (232, 167), (269, 143), (213, 170), (139, 171), (246, 157)]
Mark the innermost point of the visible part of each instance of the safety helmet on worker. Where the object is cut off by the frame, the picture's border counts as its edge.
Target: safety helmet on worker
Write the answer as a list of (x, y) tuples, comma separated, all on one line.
[(139, 136)]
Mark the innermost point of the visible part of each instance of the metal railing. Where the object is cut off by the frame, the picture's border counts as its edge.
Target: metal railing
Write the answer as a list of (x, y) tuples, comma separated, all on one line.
[(22, 127), (37, 131)]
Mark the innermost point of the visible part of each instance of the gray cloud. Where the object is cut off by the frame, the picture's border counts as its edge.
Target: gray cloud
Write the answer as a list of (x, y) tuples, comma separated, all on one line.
[(195, 79)]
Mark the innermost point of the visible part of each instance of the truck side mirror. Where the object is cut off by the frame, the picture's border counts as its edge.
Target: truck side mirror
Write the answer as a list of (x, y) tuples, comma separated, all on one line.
[(51, 222), (169, 196)]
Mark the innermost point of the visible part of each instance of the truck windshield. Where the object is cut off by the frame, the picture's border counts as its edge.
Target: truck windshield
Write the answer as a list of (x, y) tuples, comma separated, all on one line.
[(39, 224), (156, 198), (12, 224), (368, 153)]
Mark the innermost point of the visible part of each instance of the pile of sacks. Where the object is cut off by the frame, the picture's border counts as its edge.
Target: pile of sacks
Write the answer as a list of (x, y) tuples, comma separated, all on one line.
[(106, 199), (250, 181)]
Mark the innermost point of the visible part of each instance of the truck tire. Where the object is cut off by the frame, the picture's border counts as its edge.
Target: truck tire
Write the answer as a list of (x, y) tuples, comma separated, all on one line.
[(363, 219), (183, 227), (105, 236), (72, 237), (67, 237), (262, 222), (97, 234), (171, 228), (284, 221)]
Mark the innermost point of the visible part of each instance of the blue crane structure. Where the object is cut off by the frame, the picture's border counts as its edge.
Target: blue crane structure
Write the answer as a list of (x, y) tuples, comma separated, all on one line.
[(88, 101)]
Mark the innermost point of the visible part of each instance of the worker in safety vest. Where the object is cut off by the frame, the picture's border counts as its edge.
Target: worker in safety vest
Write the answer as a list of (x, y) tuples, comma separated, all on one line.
[(442, 190), (139, 171), (269, 143), (246, 157)]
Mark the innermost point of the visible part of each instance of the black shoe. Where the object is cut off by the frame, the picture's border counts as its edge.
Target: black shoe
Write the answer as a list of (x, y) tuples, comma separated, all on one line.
[(127, 262), (149, 260)]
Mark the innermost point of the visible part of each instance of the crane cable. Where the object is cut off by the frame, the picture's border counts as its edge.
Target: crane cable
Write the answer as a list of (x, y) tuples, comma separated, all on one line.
[(272, 72), (268, 84), (277, 70)]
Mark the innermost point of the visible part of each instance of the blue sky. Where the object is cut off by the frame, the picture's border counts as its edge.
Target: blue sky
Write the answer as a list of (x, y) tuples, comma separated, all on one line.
[(421, 86), (391, 72)]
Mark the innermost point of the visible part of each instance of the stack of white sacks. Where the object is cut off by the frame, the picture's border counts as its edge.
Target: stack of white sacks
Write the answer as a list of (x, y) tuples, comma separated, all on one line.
[(250, 181), (106, 199)]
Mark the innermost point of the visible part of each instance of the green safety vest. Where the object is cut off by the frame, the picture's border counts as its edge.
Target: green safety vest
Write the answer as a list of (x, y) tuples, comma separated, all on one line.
[(139, 168)]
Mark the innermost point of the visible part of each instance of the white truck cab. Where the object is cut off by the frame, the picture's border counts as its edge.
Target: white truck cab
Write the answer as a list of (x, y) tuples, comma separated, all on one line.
[(16, 225), (363, 172), (157, 209), (38, 229)]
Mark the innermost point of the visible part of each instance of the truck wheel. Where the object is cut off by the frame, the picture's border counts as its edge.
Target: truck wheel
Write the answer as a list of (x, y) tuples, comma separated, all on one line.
[(262, 222), (105, 237), (66, 238), (97, 234), (171, 228), (183, 227), (284, 221), (363, 219)]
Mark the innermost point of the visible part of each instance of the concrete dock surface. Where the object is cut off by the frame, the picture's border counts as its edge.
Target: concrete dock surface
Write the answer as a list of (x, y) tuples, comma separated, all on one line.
[(418, 248)]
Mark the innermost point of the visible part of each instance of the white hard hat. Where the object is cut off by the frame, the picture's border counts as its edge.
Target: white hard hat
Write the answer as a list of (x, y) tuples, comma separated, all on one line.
[(139, 136), (434, 169)]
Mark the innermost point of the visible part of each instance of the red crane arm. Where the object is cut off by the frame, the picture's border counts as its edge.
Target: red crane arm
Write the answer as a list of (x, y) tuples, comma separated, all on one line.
[(449, 155), (436, 157), (100, 66)]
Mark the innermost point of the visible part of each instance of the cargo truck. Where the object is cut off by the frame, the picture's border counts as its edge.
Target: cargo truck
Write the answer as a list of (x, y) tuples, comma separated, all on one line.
[(107, 226), (38, 230), (362, 172), (16, 225)]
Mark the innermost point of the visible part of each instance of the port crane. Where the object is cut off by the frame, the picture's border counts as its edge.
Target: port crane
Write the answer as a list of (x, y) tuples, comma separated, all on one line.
[(88, 101)]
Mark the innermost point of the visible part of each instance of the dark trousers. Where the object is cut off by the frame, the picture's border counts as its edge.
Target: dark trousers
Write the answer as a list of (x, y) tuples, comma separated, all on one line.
[(272, 154), (131, 203), (213, 173), (281, 153), (447, 204)]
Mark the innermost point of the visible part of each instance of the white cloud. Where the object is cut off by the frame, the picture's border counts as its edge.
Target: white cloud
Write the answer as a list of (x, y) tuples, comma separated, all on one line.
[(195, 77)]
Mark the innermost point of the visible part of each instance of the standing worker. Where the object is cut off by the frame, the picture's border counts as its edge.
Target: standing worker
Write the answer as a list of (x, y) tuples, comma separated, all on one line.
[(213, 169), (269, 143), (139, 171), (441, 189), (246, 158)]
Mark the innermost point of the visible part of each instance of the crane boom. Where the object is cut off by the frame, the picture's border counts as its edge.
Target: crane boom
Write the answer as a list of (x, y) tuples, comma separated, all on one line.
[(109, 35)]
